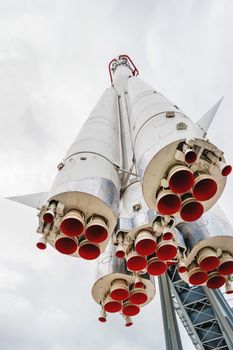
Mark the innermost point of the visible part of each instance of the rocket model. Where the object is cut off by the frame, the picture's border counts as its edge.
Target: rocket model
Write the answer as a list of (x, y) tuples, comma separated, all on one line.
[(139, 185)]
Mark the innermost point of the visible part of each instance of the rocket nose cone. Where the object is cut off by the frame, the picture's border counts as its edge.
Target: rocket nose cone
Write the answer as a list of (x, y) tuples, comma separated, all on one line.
[(66, 245), (166, 250), (48, 218), (216, 281), (88, 250), (96, 233), (191, 210), (205, 189), (181, 181), (112, 306), (209, 263), (156, 267), (169, 204), (72, 227)]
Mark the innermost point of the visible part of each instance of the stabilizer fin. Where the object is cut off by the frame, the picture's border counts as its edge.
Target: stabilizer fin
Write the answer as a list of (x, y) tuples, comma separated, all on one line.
[(205, 121), (34, 200)]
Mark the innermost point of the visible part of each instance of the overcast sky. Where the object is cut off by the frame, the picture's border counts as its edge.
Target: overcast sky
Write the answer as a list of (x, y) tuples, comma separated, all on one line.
[(53, 68)]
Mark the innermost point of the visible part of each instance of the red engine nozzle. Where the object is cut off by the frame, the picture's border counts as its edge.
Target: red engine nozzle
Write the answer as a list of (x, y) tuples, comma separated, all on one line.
[(66, 245), (205, 187), (208, 259), (180, 179), (196, 275), (156, 267), (135, 262), (145, 243), (167, 250), (130, 309), (119, 290), (96, 230), (215, 280), (168, 203), (191, 210), (73, 223), (88, 250)]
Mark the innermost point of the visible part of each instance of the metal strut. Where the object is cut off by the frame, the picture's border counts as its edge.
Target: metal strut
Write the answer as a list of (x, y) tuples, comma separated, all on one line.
[(171, 329)]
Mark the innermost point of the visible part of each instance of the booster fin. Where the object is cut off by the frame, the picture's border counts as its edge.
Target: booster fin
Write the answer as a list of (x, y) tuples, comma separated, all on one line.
[(33, 200), (207, 119)]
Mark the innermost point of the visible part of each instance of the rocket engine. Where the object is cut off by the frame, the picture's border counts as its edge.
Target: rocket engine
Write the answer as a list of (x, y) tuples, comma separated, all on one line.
[(209, 243), (147, 241), (181, 172), (118, 290)]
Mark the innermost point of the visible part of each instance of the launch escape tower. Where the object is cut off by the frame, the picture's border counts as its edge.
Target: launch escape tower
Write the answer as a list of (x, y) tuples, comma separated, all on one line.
[(138, 189)]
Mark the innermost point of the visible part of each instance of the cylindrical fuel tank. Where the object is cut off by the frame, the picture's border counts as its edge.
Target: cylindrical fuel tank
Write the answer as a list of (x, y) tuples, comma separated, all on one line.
[(88, 184), (171, 155), (209, 243)]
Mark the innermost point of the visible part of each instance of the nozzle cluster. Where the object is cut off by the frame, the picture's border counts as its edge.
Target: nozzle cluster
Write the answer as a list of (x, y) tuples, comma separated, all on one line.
[(124, 298), (71, 233)]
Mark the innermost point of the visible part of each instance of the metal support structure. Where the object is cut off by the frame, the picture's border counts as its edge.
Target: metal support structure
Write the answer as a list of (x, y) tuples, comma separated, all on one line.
[(171, 329), (205, 314), (223, 313)]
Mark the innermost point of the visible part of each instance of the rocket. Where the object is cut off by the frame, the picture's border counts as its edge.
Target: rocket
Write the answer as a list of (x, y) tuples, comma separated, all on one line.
[(138, 189)]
